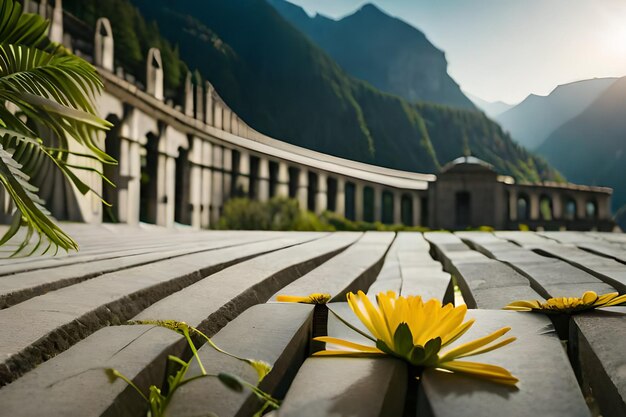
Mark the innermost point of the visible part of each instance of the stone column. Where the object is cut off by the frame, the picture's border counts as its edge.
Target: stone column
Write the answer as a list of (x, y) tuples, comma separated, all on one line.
[(557, 206), (56, 24), (226, 121), (124, 175), (512, 214), (208, 105), (217, 114), (603, 202), (103, 43), (195, 183), (166, 190), (417, 210), (378, 202), (227, 165), (321, 197), (282, 186), (200, 103), (340, 197), (303, 189), (358, 201), (207, 184), (534, 206), (397, 207), (218, 183), (581, 206), (243, 178), (264, 179), (188, 106)]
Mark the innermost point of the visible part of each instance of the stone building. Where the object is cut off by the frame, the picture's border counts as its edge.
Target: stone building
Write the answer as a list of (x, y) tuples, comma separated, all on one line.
[(179, 163), (468, 193)]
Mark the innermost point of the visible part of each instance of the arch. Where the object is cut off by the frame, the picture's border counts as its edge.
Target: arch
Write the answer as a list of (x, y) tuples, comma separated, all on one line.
[(104, 44), (350, 190), (172, 141), (110, 194), (406, 210), (148, 179), (154, 73), (293, 181), (523, 207), (387, 207), (591, 209), (570, 209), (182, 205), (546, 208), (331, 192), (368, 204)]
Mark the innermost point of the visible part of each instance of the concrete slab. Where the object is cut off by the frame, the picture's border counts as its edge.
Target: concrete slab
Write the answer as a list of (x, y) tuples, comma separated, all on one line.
[(547, 385), (597, 347), (354, 269), (277, 333), (45, 325)]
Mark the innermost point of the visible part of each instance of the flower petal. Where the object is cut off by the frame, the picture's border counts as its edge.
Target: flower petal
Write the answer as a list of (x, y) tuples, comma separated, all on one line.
[(348, 344), (491, 372), (469, 347)]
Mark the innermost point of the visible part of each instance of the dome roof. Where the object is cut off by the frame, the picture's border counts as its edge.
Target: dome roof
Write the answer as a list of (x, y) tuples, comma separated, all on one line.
[(467, 163)]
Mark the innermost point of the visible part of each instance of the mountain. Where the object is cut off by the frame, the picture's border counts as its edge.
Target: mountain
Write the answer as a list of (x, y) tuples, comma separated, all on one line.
[(535, 118), (491, 108), (388, 53), (591, 148), (285, 86)]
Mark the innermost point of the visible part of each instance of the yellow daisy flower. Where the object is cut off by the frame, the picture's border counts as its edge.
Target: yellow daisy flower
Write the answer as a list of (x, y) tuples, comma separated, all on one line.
[(315, 298), (417, 331), (570, 305)]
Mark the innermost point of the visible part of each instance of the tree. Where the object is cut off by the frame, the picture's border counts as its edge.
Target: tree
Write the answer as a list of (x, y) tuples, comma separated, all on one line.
[(47, 115)]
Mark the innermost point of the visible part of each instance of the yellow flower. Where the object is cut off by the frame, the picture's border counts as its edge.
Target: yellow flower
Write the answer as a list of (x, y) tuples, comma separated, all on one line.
[(589, 301), (315, 298), (416, 331)]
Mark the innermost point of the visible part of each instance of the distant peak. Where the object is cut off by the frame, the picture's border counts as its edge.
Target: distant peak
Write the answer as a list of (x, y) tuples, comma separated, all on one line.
[(370, 8)]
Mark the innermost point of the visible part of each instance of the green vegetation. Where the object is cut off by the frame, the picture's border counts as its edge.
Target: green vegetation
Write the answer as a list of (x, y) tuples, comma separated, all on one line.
[(47, 121), (158, 399), (283, 85), (285, 214), (133, 38)]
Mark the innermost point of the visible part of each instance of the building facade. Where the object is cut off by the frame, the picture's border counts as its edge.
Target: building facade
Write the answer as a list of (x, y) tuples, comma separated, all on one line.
[(179, 163)]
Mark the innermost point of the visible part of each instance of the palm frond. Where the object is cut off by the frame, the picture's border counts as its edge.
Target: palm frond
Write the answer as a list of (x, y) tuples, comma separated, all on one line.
[(30, 211), (53, 92)]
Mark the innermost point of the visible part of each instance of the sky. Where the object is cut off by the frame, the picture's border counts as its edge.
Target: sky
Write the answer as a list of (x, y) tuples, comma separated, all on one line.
[(507, 49)]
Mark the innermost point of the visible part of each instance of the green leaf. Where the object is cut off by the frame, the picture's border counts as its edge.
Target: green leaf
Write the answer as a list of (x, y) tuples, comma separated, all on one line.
[(403, 340), (231, 381)]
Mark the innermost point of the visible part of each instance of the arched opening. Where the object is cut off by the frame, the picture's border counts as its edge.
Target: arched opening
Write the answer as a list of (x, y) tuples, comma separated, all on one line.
[(182, 206), (110, 194), (368, 204), (570, 209), (273, 178), (463, 213), (387, 214), (523, 208), (254, 177), (406, 210), (148, 181), (591, 209), (293, 181), (546, 210), (312, 192), (350, 191), (331, 187)]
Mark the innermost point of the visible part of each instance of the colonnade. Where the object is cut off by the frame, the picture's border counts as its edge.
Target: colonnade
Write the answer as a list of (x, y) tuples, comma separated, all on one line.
[(556, 202)]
